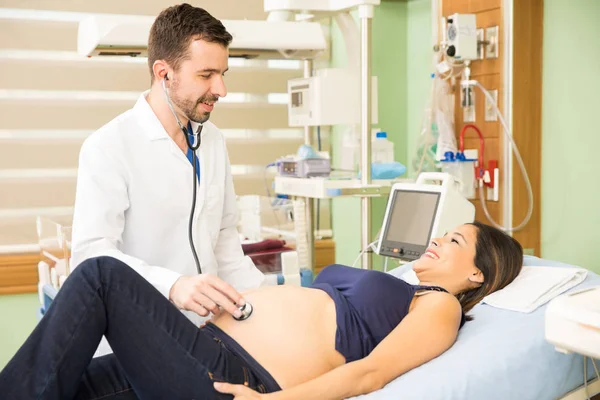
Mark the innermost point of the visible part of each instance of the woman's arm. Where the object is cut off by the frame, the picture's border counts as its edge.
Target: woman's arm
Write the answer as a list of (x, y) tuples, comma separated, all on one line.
[(425, 333)]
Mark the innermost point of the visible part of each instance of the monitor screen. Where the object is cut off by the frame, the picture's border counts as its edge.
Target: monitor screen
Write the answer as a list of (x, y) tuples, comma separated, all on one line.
[(411, 217)]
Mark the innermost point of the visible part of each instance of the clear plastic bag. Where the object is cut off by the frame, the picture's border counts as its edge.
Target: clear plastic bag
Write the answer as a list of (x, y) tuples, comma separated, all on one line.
[(437, 132)]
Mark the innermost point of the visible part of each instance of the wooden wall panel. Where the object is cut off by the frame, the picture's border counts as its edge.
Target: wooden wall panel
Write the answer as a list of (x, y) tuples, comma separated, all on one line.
[(454, 6), (478, 6), (18, 273), (527, 116)]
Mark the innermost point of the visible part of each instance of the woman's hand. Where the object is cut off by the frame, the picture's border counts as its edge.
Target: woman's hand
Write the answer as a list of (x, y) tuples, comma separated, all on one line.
[(239, 392)]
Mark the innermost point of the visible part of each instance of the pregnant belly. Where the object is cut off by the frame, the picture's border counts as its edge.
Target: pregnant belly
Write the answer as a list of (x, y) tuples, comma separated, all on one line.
[(291, 332)]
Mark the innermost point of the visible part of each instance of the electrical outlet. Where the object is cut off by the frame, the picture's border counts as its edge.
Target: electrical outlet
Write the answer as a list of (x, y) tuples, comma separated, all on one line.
[(480, 44), (490, 112), (491, 35)]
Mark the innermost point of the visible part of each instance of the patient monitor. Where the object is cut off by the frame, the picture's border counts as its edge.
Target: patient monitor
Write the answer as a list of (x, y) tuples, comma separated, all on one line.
[(418, 212)]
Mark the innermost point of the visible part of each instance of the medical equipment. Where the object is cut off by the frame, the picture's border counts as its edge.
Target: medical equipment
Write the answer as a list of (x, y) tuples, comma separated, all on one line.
[(358, 49), (463, 170), (461, 43), (573, 322), (418, 212), (437, 128), (462, 37), (330, 97), (193, 148), (127, 35), (246, 309), (308, 168)]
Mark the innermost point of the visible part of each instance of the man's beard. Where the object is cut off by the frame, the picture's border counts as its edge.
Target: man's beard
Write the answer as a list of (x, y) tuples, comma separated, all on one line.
[(190, 110)]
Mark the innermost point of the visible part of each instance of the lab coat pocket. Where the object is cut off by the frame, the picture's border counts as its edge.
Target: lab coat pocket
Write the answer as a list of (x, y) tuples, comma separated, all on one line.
[(214, 211)]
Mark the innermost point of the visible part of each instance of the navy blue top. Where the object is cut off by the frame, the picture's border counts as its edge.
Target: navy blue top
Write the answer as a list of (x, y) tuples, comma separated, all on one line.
[(369, 305)]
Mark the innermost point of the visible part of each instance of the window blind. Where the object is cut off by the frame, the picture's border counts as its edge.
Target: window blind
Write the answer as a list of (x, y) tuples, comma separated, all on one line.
[(51, 99)]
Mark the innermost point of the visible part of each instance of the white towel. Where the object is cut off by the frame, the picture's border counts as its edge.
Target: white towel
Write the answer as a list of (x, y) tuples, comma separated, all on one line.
[(535, 286)]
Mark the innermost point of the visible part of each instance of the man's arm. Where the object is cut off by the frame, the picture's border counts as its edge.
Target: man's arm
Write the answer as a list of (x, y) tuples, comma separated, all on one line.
[(425, 333), (98, 224), (99, 217), (233, 266)]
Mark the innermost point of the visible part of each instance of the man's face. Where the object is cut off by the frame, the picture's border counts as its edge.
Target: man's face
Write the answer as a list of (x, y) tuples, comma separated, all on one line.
[(198, 84)]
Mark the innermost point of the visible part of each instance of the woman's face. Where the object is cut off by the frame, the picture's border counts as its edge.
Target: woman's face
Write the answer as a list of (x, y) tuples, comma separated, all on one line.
[(450, 261)]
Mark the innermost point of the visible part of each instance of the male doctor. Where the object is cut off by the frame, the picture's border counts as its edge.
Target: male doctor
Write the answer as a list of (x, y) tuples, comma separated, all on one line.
[(135, 179)]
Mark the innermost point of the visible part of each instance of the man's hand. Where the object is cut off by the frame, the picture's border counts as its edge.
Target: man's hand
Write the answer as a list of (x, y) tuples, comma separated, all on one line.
[(204, 294)]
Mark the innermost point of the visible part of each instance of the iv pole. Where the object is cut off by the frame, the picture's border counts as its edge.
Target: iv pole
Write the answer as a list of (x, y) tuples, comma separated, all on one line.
[(365, 14)]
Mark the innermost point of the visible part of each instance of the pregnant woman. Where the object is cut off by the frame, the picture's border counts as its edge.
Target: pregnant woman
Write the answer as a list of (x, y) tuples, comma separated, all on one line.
[(351, 333)]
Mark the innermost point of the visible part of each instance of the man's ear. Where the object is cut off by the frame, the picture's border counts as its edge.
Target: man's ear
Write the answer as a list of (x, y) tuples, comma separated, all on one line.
[(160, 69), (476, 277)]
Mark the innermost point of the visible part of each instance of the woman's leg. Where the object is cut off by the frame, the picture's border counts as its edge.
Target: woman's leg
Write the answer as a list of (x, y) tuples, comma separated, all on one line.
[(104, 378), (162, 353)]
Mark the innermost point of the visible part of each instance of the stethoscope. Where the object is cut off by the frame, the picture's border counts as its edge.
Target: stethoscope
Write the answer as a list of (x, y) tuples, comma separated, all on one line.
[(246, 309)]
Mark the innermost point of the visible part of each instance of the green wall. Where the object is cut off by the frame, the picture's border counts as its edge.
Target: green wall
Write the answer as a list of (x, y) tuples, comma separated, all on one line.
[(570, 105), (17, 320)]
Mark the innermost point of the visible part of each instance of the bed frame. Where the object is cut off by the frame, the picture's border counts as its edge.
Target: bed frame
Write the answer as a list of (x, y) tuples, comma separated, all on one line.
[(583, 393), (588, 389)]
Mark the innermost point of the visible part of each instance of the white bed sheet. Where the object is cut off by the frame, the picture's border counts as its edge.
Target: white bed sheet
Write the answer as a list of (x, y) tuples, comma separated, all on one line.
[(499, 355)]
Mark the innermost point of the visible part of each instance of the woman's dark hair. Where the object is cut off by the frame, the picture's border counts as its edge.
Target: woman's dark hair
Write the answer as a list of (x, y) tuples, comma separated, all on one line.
[(499, 257), (175, 28)]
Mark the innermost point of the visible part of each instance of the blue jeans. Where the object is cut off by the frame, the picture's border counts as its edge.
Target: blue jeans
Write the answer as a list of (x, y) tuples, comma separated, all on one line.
[(158, 352)]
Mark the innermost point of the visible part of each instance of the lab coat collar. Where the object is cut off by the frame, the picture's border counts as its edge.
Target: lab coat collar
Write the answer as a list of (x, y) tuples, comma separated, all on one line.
[(153, 128), (196, 126)]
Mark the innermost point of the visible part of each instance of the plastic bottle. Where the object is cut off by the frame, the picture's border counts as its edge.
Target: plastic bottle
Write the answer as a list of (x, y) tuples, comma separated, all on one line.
[(382, 150)]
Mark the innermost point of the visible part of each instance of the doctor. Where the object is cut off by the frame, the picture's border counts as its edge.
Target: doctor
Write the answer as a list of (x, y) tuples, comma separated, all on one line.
[(135, 179)]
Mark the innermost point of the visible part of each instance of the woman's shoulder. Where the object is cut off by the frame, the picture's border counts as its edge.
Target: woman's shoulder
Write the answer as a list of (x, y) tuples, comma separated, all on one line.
[(440, 302)]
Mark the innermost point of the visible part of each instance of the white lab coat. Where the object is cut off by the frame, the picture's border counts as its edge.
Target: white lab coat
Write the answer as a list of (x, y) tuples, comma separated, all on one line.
[(133, 199)]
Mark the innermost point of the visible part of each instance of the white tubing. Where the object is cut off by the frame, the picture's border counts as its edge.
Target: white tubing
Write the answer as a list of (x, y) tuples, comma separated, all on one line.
[(519, 161)]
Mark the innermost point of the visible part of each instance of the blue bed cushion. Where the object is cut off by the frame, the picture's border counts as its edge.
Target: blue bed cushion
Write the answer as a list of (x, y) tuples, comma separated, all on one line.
[(499, 355)]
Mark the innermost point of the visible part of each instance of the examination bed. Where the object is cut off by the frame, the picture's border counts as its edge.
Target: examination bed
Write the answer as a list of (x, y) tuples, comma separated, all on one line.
[(499, 355)]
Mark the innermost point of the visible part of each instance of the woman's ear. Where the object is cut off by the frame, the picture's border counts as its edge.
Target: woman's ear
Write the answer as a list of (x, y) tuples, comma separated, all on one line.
[(476, 277)]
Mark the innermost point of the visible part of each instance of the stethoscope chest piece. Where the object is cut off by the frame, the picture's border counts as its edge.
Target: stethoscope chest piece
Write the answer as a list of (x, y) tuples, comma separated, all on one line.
[(246, 310)]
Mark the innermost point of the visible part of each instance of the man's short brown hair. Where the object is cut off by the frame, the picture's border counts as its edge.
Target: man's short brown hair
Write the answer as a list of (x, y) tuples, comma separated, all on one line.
[(176, 27)]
